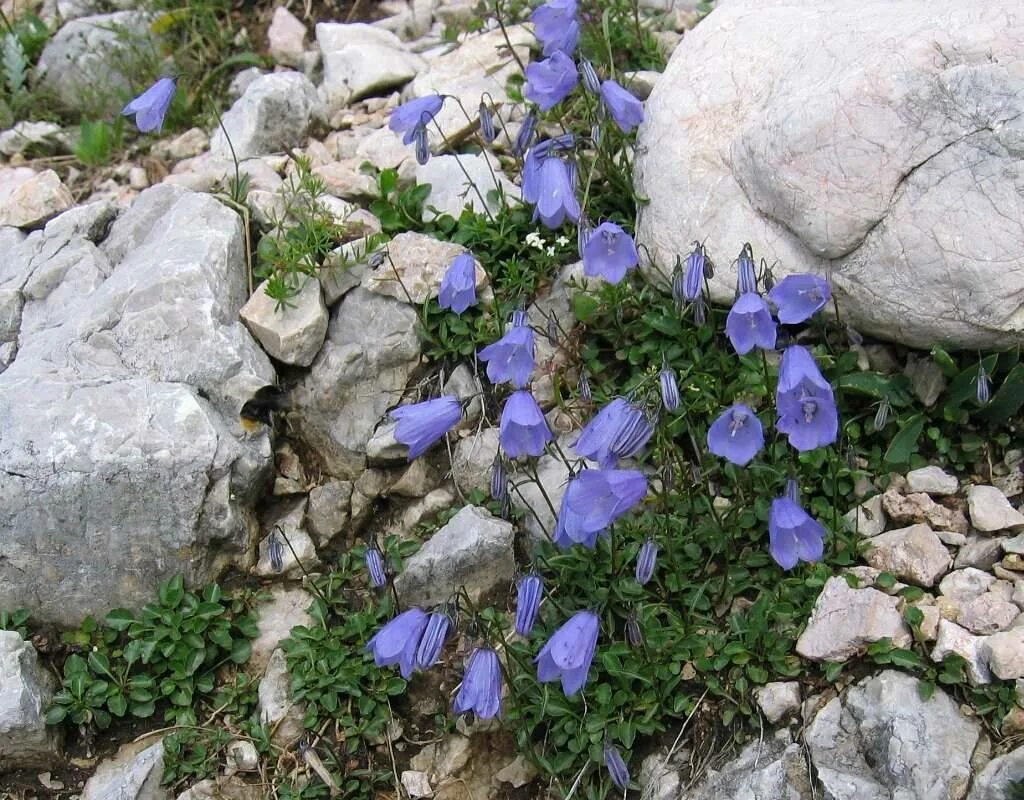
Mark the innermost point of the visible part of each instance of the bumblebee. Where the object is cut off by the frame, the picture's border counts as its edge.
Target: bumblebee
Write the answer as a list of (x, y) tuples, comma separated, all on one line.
[(260, 408)]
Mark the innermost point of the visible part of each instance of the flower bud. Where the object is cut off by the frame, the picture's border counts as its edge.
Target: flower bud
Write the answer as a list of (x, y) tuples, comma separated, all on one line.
[(487, 129), (375, 566), (275, 552), (617, 768), (526, 134), (984, 385), (646, 561), (590, 80), (633, 633), (499, 479), (746, 279), (584, 386), (529, 592), (422, 145), (882, 415), (669, 389)]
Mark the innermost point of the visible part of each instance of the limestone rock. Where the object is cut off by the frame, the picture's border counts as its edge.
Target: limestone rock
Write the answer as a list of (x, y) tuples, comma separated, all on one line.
[(920, 508), (185, 145), (517, 773), (987, 613), (26, 134), (26, 689), (344, 269), (276, 112), (242, 756), (286, 38), (28, 199), (417, 480), (472, 460), (883, 741), (420, 262), (1005, 653), (133, 773), (417, 784), (361, 59), (981, 552), (360, 372), (932, 480), (277, 710), (867, 519), (383, 448), (769, 770), (951, 638), (966, 584), (434, 503), (913, 554), (275, 618), (829, 162), (328, 510), (451, 191), (293, 332), (994, 781), (473, 550), (991, 511), (223, 788), (844, 621), (778, 699)]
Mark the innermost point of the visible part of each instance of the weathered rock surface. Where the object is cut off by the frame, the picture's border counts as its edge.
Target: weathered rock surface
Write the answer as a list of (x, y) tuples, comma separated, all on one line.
[(932, 480), (966, 584), (26, 689), (130, 348), (991, 511), (895, 182), (360, 372), (867, 519), (951, 638), (1005, 653), (451, 191), (328, 510), (920, 508), (419, 264), (277, 709), (473, 550), (28, 198), (778, 699), (275, 618), (883, 741), (770, 770), (286, 38), (293, 332), (912, 554), (133, 773), (472, 459), (361, 59), (994, 781), (846, 620)]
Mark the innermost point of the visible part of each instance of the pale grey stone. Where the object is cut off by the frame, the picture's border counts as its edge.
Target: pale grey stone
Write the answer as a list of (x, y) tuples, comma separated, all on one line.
[(277, 111), (926, 378), (28, 198), (813, 148), (987, 613), (428, 507), (991, 511), (293, 332), (772, 769), (981, 552), (466, 386), (640, 83), (185, 145), (344, 269), (345, 178), (88, 64), (25, 134), (286, 38), (417, 480), (285, 531), (417, 784), (133, 773), (883, 741), (451, 190), (913, 554), (472, 459), (360, 372), (1014, 544), (242, 80), (539, 518), (517, 773), (778, 699), (920, 508), (26, 689), (361, 59), (844, 621), (867, 519), (951, 538), (661, 774), (275, 618), (994, 780), (131, 349), (1005, 653), (473, 550), (242, 755), (277, 709), (210, 172), (951, 638), (932, 480), (966, 584), (384, 449), (328, 510), (417, 265)]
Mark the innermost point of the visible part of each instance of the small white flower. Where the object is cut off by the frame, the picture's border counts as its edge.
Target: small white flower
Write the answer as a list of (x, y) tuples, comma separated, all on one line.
[(534, 240), (562, 241), (551, 250)]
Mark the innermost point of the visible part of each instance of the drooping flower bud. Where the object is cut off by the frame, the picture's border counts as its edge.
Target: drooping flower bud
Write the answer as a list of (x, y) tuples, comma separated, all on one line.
[(585, 393), (434, 635), (669, 389), (487, 130), (275, 552), (583, 232), (419, 137), (590, 80), (633, 633), (746, 279), (617, 768), (646, 561), (529, 592), (526, 134), (499, 479), (375, 566), (882, 415), (793, 490), (983, 385)]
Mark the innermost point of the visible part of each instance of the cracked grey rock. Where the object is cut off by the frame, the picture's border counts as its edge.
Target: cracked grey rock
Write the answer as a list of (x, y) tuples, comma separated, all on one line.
[(287, 549), (966, 584), (868, 519), (995, 779), (932, 480), (845, 621), (328, 510), (417, 266), (913, 554), (277, 709), (29, 198), (26, 689), (361, 60), (882, 741), (951, 638), (286, 38), (131, 348), (472, 459), (451, 191), (135, 772), (987, 613), (1005, 653), (25, 134), (981, 552), (778, 699), (772, 769), (829, 161), (293, 332), (275, 618), (991, 511)]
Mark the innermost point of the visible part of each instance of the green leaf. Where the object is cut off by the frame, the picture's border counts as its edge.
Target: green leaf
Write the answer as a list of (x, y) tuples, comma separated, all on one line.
[(240, 651), (904, 443), (118, 705), (1007, 400), (55, 714), (119, 619), (873, 384), (584, 306)]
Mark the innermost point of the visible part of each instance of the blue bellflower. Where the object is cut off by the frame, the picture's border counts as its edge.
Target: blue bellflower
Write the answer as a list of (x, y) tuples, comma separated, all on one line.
[(590, 80), (799, 367), (692, 285), (548, 82), (610, 253), (556, 26), (535, 158), (398, 640), (793, 534), (669, 389), (434, 635), (805, 402), (480, 691), (523, 430), (529, 592), (375, 566), (527, 131), (556, 193), (737, 435), (422, 424), (645, 561), (799, 297), (569, 652), (511, 358), (626, 110), (458, 286), (415, 114), (594, 500), (746, 278), (617, 769), (151, 106), (619, 430), (750, 324)]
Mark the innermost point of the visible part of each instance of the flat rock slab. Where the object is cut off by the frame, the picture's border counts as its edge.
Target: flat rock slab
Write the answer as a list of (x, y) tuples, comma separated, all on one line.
[(844, 621), (913, 554)]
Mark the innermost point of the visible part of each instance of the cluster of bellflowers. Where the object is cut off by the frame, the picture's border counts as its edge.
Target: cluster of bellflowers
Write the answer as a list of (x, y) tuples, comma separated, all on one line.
[(805, 404)]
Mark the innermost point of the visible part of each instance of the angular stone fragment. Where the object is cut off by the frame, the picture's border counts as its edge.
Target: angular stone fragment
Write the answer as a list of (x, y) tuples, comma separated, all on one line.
[(991, 511), (292, 332), (914, 554), (844, 621), (952, 638)]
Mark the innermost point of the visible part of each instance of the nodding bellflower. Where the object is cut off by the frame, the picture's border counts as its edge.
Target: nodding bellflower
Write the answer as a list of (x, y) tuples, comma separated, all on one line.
[(480, 691), (691, 287), (499, 478), (151, 106), (799, 297), (422, 424), (746, 278), (556, 193), (511, 358), (422, 144), (458, 286), (487, 130), (527, 130), (626, 110), (529, 592), (434, 635), (594, 500), (569, 652), (793, 534), (415, 114), (398, 641), (669, 389), (619, 430), (610, 253), (523, 430), (590, 80), (633, 633), (535, 158), (549, 81), (617, 769), (584, 387), (645, 561), (804, 401), (556, 26), (375, 566), (750, 324), (275, 552), (737, 435)]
